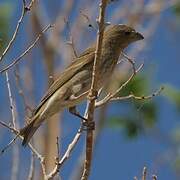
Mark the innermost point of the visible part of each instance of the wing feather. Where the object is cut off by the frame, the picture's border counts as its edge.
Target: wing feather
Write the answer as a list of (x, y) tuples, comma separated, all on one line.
[(67, 74)]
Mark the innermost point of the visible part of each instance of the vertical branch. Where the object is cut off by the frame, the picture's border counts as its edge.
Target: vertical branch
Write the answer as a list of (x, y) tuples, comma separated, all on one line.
[(11, 101), (144, 174), (15, 160), (93, 92), (78, 169)]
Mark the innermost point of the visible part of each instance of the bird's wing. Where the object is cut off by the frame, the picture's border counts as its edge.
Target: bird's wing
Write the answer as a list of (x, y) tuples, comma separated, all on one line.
[(85, 58)]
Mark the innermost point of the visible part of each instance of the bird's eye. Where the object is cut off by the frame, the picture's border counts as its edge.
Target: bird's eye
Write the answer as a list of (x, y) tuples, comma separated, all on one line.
[(127, 33)]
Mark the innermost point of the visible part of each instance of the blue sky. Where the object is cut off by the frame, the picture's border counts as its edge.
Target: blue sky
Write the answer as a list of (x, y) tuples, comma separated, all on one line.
[(115, 156)]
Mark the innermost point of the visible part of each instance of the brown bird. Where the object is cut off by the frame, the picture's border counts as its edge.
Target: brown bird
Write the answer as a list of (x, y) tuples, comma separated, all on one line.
[(72, 86)]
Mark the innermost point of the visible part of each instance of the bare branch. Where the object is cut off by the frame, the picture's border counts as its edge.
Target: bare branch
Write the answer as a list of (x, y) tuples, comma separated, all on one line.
[(87, 19), (110, 96), (66, 154), (9, 127), (154, 177), (93, 92), (11, 101), (40, 158), (16, 60), (9, 144), (15, 160), (132, 96), (33, 150), (144, 174), (20, 90), (58, 150), (130, 60), (24, 11), (71, 40)]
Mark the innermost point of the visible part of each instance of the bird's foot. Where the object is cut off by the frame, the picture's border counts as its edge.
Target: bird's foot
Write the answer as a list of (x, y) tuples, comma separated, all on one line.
[(88, 125)]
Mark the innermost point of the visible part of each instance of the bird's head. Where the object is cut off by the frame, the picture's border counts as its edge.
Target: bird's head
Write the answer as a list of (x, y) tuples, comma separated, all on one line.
[(121, 35)]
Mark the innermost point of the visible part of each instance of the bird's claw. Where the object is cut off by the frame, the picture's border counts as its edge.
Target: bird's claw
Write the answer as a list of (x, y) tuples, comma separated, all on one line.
[(88, 125)]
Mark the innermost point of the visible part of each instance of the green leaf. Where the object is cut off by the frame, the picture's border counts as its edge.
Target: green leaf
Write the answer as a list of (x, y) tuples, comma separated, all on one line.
[(148, 112), (176, 9), (127, 124), (176, 135), (172, 94), (5, 14), (137, 86)]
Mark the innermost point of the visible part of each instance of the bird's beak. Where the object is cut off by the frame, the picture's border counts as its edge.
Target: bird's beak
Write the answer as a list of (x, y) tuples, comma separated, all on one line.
[(139, 36)]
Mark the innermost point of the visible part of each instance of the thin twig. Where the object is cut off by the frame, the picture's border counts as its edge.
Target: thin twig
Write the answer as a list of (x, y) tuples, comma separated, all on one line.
[(129, 60), (20, 90), (66, 154), (154, 177), (33, 150), (58, 151), (12, 129), (30, 5), (112, 95), (11, 101), (144, 174), (24, 10), (9, 127), (39, 157), (15, 160), (132, 96), (16, 60), (9, 144), (87, 19), (71, 40), (93, 92)]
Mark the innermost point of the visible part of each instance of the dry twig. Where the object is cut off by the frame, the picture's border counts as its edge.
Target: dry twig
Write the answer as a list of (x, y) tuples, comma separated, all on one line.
[(11, 101), (27, 108), (132, 96), (16, 60), (112, 95), (66, 154), (129, 60), (25, 9), (93, 92), (144, 174)]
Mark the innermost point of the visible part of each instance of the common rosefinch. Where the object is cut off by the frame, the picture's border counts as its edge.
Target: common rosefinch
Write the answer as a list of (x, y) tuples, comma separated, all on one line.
[(72, 86)]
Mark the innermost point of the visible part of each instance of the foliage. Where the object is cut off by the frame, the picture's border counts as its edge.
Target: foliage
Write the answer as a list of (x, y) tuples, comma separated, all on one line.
[(176, 8), (5, 14), (173, 95), (142, 114)]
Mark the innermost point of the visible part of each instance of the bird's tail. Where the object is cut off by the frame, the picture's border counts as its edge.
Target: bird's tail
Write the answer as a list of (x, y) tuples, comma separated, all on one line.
[(28, 131)]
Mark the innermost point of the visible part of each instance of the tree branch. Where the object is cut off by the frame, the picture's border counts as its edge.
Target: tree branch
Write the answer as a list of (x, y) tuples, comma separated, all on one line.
[(25, 9), (66, 154), (16, 60), (110, 96), (93, 92)]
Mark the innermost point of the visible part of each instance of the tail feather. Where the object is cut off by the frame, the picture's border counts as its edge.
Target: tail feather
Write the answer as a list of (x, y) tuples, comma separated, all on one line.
[(28, 131)]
